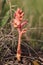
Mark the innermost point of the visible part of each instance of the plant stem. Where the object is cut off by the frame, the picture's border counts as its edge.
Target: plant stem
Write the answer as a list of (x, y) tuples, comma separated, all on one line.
[(19, 47)]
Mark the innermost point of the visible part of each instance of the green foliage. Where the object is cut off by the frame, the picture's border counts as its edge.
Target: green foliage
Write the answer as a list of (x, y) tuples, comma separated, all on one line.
[(4, 13), (5, 8), (5, 19), (3, 4)]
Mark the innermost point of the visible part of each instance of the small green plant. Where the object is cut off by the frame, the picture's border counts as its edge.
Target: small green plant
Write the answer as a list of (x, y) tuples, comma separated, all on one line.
[(18, 24)]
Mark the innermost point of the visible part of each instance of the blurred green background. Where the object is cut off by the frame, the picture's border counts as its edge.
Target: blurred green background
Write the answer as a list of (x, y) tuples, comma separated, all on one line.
[(33, 10)]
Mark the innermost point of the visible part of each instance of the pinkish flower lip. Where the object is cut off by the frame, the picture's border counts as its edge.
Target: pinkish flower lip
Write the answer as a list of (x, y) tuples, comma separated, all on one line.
[(24, 23)]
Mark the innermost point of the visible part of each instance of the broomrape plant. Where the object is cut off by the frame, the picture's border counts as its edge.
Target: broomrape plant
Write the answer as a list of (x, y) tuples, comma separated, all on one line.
[(18, 24)]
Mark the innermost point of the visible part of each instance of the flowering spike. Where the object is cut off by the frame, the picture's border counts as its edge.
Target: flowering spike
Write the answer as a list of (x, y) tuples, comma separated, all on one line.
[(17, 23)]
